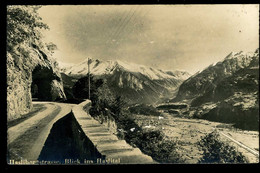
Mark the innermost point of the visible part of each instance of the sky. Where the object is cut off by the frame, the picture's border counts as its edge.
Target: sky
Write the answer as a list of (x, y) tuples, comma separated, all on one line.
[(168, 37)]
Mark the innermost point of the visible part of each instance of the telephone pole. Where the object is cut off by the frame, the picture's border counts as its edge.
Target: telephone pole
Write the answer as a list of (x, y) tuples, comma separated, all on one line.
[(88, 80)]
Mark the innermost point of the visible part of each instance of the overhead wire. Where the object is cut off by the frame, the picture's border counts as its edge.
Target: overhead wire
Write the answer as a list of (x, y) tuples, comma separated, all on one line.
[(120, 24), (117, 34), (126, 24), (130, 30)]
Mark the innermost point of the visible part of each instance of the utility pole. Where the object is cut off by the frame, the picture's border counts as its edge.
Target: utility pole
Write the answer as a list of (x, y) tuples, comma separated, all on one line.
[(88, 80)]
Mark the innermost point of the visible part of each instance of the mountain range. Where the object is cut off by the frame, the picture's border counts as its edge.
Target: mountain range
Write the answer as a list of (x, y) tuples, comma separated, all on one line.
[(226, 91), (135, 83)]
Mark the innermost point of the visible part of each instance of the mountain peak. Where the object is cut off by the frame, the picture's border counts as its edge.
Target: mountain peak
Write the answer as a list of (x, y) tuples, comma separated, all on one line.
[(241, 55), (136, 83), (98, 67)]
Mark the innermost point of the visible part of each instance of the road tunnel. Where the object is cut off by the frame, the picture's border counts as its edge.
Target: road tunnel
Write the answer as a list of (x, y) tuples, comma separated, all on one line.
[(46, 85)]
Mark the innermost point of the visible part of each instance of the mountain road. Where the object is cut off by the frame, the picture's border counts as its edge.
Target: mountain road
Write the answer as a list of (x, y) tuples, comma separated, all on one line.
[(26, 139)]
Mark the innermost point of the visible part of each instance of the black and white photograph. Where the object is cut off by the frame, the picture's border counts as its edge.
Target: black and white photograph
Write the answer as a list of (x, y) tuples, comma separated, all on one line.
[(117, 84)]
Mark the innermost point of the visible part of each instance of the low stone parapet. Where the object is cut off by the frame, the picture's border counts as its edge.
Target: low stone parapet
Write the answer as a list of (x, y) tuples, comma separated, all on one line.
[(113, 149)]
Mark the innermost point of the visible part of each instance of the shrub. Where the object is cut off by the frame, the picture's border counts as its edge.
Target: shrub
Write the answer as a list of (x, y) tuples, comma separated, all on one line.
[(215, 151), (155, 144)]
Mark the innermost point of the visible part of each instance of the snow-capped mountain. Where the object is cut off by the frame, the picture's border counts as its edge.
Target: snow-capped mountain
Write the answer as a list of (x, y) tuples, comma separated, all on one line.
[(98, 67), (137, 83)]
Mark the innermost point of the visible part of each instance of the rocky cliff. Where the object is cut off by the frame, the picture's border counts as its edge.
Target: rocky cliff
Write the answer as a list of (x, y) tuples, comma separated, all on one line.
[(33, 69)]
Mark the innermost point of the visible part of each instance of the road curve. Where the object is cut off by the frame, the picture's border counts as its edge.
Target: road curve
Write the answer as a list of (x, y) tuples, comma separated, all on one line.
[(21, 128), (27, 138)]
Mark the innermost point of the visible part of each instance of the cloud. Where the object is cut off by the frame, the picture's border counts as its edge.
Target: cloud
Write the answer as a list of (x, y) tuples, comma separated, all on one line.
[(166, 36)]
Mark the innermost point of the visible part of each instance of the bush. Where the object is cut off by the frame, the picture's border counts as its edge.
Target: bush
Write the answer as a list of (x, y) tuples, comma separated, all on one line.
[(215, 151), (155, 144)]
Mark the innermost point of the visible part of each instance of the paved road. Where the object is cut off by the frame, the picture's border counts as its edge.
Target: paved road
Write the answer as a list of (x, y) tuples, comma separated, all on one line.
[(26, 139)]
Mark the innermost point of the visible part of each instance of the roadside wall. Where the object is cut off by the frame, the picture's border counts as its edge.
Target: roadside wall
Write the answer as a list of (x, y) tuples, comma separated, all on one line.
[(114, 151), (67, 144)]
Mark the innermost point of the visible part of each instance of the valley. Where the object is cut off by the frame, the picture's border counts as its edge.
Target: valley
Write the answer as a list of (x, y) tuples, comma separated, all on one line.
[(187, 132), (131, 97), (222, 98), (179, 108)]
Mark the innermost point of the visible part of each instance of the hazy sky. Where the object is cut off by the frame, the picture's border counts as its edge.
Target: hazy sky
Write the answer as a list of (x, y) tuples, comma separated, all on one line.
[(170, 37)]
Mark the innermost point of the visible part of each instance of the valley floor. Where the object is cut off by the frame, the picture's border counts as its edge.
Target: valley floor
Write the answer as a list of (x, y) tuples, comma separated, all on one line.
[(187, 132)]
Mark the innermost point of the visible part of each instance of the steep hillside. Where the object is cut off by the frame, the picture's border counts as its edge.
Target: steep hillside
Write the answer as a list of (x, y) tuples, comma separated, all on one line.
[(135, 83), (203, 84), (226, 92)]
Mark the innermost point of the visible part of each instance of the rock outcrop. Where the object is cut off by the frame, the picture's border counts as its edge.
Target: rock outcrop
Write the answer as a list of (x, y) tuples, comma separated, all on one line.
[(33, 67)]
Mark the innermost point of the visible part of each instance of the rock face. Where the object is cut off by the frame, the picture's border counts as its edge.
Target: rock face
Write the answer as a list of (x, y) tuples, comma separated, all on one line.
[(135, 83), (226, 92), (31, 70)]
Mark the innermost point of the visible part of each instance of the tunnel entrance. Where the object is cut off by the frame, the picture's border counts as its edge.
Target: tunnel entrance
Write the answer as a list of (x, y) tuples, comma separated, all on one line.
[(67, 141), (45, 84), (41, 79)]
